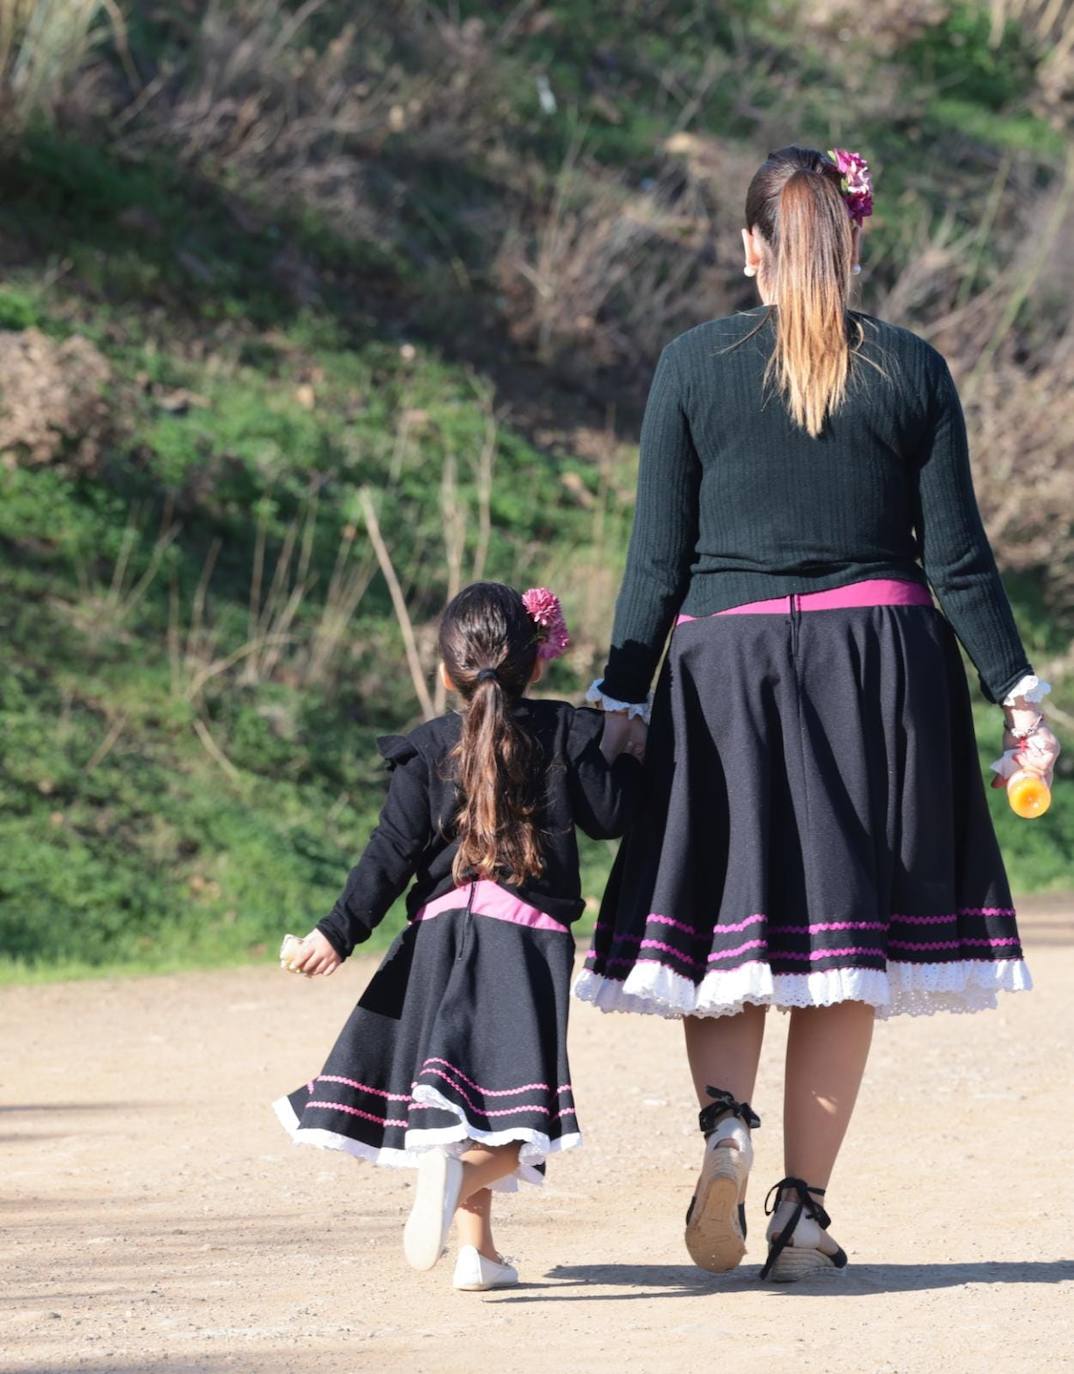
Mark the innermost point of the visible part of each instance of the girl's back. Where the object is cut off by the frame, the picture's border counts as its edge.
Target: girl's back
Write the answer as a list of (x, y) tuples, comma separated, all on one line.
[(455, 1061), (417, 836)]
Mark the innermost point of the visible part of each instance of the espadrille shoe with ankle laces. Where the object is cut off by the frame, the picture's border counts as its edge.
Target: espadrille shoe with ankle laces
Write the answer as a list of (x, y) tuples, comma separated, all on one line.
[(716, 1217), (799, 1246)]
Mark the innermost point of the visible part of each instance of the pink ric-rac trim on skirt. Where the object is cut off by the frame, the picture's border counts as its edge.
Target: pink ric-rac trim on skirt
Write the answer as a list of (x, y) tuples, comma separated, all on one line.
[(486, 898), (880, 591)]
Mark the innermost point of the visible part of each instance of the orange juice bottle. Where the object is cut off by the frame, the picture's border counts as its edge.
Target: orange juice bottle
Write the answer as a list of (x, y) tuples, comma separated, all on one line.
[(1028, 794)]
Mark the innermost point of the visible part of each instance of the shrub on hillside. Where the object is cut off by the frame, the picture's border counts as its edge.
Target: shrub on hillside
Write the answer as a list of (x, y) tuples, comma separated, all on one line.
[(52, 401)]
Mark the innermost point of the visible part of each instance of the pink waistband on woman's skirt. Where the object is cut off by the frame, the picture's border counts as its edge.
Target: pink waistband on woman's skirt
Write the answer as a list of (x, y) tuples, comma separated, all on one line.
[(880, 591), (484, 898)]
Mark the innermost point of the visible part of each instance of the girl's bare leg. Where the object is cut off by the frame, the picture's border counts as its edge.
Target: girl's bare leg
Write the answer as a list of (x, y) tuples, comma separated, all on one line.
[(724, 1052), (485, 1164), (827, 1048), (482, 1165), (473, 1221)]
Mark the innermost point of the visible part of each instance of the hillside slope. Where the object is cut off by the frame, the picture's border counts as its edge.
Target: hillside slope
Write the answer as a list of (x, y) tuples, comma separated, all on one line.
[(315, 283)]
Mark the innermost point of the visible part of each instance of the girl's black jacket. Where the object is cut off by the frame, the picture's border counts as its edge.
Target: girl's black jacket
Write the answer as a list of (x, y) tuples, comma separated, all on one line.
[(415, 835)]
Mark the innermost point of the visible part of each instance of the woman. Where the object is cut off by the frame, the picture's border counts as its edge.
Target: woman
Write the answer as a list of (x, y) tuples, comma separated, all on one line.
[(815, 834)]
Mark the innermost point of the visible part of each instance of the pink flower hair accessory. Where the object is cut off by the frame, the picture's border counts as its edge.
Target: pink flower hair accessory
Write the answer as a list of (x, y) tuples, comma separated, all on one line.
[(855, 183), (545, 611)]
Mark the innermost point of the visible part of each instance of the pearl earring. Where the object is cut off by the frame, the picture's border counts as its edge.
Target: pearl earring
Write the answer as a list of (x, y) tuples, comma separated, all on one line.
[(749, 271), (856, 269)]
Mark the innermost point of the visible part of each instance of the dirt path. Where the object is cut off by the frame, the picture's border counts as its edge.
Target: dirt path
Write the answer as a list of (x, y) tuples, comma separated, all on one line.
[(156, 1218)]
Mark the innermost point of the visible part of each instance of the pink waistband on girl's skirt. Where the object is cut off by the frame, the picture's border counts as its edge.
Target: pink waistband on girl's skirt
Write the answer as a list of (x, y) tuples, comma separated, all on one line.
[(486, 898), (880, 591)]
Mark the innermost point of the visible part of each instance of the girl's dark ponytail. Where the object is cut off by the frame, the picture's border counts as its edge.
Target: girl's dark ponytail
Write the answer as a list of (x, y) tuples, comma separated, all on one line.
[(488, 643)]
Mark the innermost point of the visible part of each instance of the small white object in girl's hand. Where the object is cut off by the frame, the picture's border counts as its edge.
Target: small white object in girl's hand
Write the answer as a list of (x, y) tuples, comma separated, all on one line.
[(290, 949)]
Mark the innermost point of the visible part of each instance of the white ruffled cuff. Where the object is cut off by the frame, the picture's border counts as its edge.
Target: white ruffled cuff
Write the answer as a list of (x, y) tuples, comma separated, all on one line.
[(1030, 688), (633, 709)]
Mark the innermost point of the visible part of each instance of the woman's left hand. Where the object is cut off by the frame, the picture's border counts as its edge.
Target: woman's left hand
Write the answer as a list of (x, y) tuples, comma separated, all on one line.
[(1029, 742)]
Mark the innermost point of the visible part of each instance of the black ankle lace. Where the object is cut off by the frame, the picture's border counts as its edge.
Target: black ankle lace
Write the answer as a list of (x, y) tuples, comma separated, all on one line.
[(724, 1104), (804, 1203)]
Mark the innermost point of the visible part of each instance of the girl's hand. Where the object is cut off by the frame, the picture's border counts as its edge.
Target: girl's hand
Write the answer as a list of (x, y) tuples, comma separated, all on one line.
[(315, 955), (623, 735), (616, 732), (635, 740)]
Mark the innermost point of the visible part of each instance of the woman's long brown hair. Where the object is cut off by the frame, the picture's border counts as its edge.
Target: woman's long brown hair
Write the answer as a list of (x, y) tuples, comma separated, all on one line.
[(795, 202), (488, 644)]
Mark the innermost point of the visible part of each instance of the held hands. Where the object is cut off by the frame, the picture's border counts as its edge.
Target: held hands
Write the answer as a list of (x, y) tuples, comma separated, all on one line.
[(309, 956), (622, 735)]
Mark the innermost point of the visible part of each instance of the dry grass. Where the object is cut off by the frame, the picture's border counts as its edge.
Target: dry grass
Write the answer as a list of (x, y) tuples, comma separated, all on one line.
[(1051, 25), (557, 276), (883, 24), (608, 272), (282, 644), (1023, 433), (300, 120), (43, 43), (108, 606), (588, 573), (1009, 342)]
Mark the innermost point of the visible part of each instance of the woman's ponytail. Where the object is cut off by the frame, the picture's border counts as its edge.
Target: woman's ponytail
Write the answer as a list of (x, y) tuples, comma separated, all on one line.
[(811, 358), (796, 203), (489, 648)]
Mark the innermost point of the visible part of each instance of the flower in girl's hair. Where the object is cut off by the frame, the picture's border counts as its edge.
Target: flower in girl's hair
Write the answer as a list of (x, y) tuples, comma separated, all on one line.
[(544, 608), (856, 183)]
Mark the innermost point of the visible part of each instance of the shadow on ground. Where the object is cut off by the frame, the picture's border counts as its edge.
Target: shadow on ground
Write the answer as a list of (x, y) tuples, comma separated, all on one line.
[(680, 1281)]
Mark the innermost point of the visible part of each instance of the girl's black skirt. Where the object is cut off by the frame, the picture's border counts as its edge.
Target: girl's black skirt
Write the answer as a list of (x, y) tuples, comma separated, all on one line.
[(815, 827), (460, 1037)]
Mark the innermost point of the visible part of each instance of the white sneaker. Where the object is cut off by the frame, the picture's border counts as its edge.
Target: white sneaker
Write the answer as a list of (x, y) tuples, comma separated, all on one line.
[(436, 1195), (476, 1274)]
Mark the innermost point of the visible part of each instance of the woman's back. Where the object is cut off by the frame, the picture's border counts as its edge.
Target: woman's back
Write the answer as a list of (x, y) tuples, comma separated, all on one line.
[(774, 500), (739, 503)]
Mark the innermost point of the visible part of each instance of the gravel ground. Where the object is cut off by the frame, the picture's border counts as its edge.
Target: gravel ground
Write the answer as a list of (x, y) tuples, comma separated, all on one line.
[(156, 1218)]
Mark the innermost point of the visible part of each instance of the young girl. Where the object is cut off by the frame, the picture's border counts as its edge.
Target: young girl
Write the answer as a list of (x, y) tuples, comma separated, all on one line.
[(454, 1061)]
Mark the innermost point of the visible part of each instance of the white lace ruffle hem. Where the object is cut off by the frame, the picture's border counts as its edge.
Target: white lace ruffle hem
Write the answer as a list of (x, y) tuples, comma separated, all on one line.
[(536, 1146), (596, 697), (903, 989), (1030, 688)]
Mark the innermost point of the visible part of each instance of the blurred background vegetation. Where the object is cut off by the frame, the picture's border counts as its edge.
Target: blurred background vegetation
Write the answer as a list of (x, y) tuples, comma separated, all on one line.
[(311, 312)]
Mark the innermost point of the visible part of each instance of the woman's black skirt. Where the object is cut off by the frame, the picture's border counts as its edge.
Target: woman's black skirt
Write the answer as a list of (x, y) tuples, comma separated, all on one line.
[(815, 827), (460, 1037)]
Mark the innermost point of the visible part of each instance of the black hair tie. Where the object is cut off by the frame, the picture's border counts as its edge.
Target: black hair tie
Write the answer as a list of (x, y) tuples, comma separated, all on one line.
[(487, 675)]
